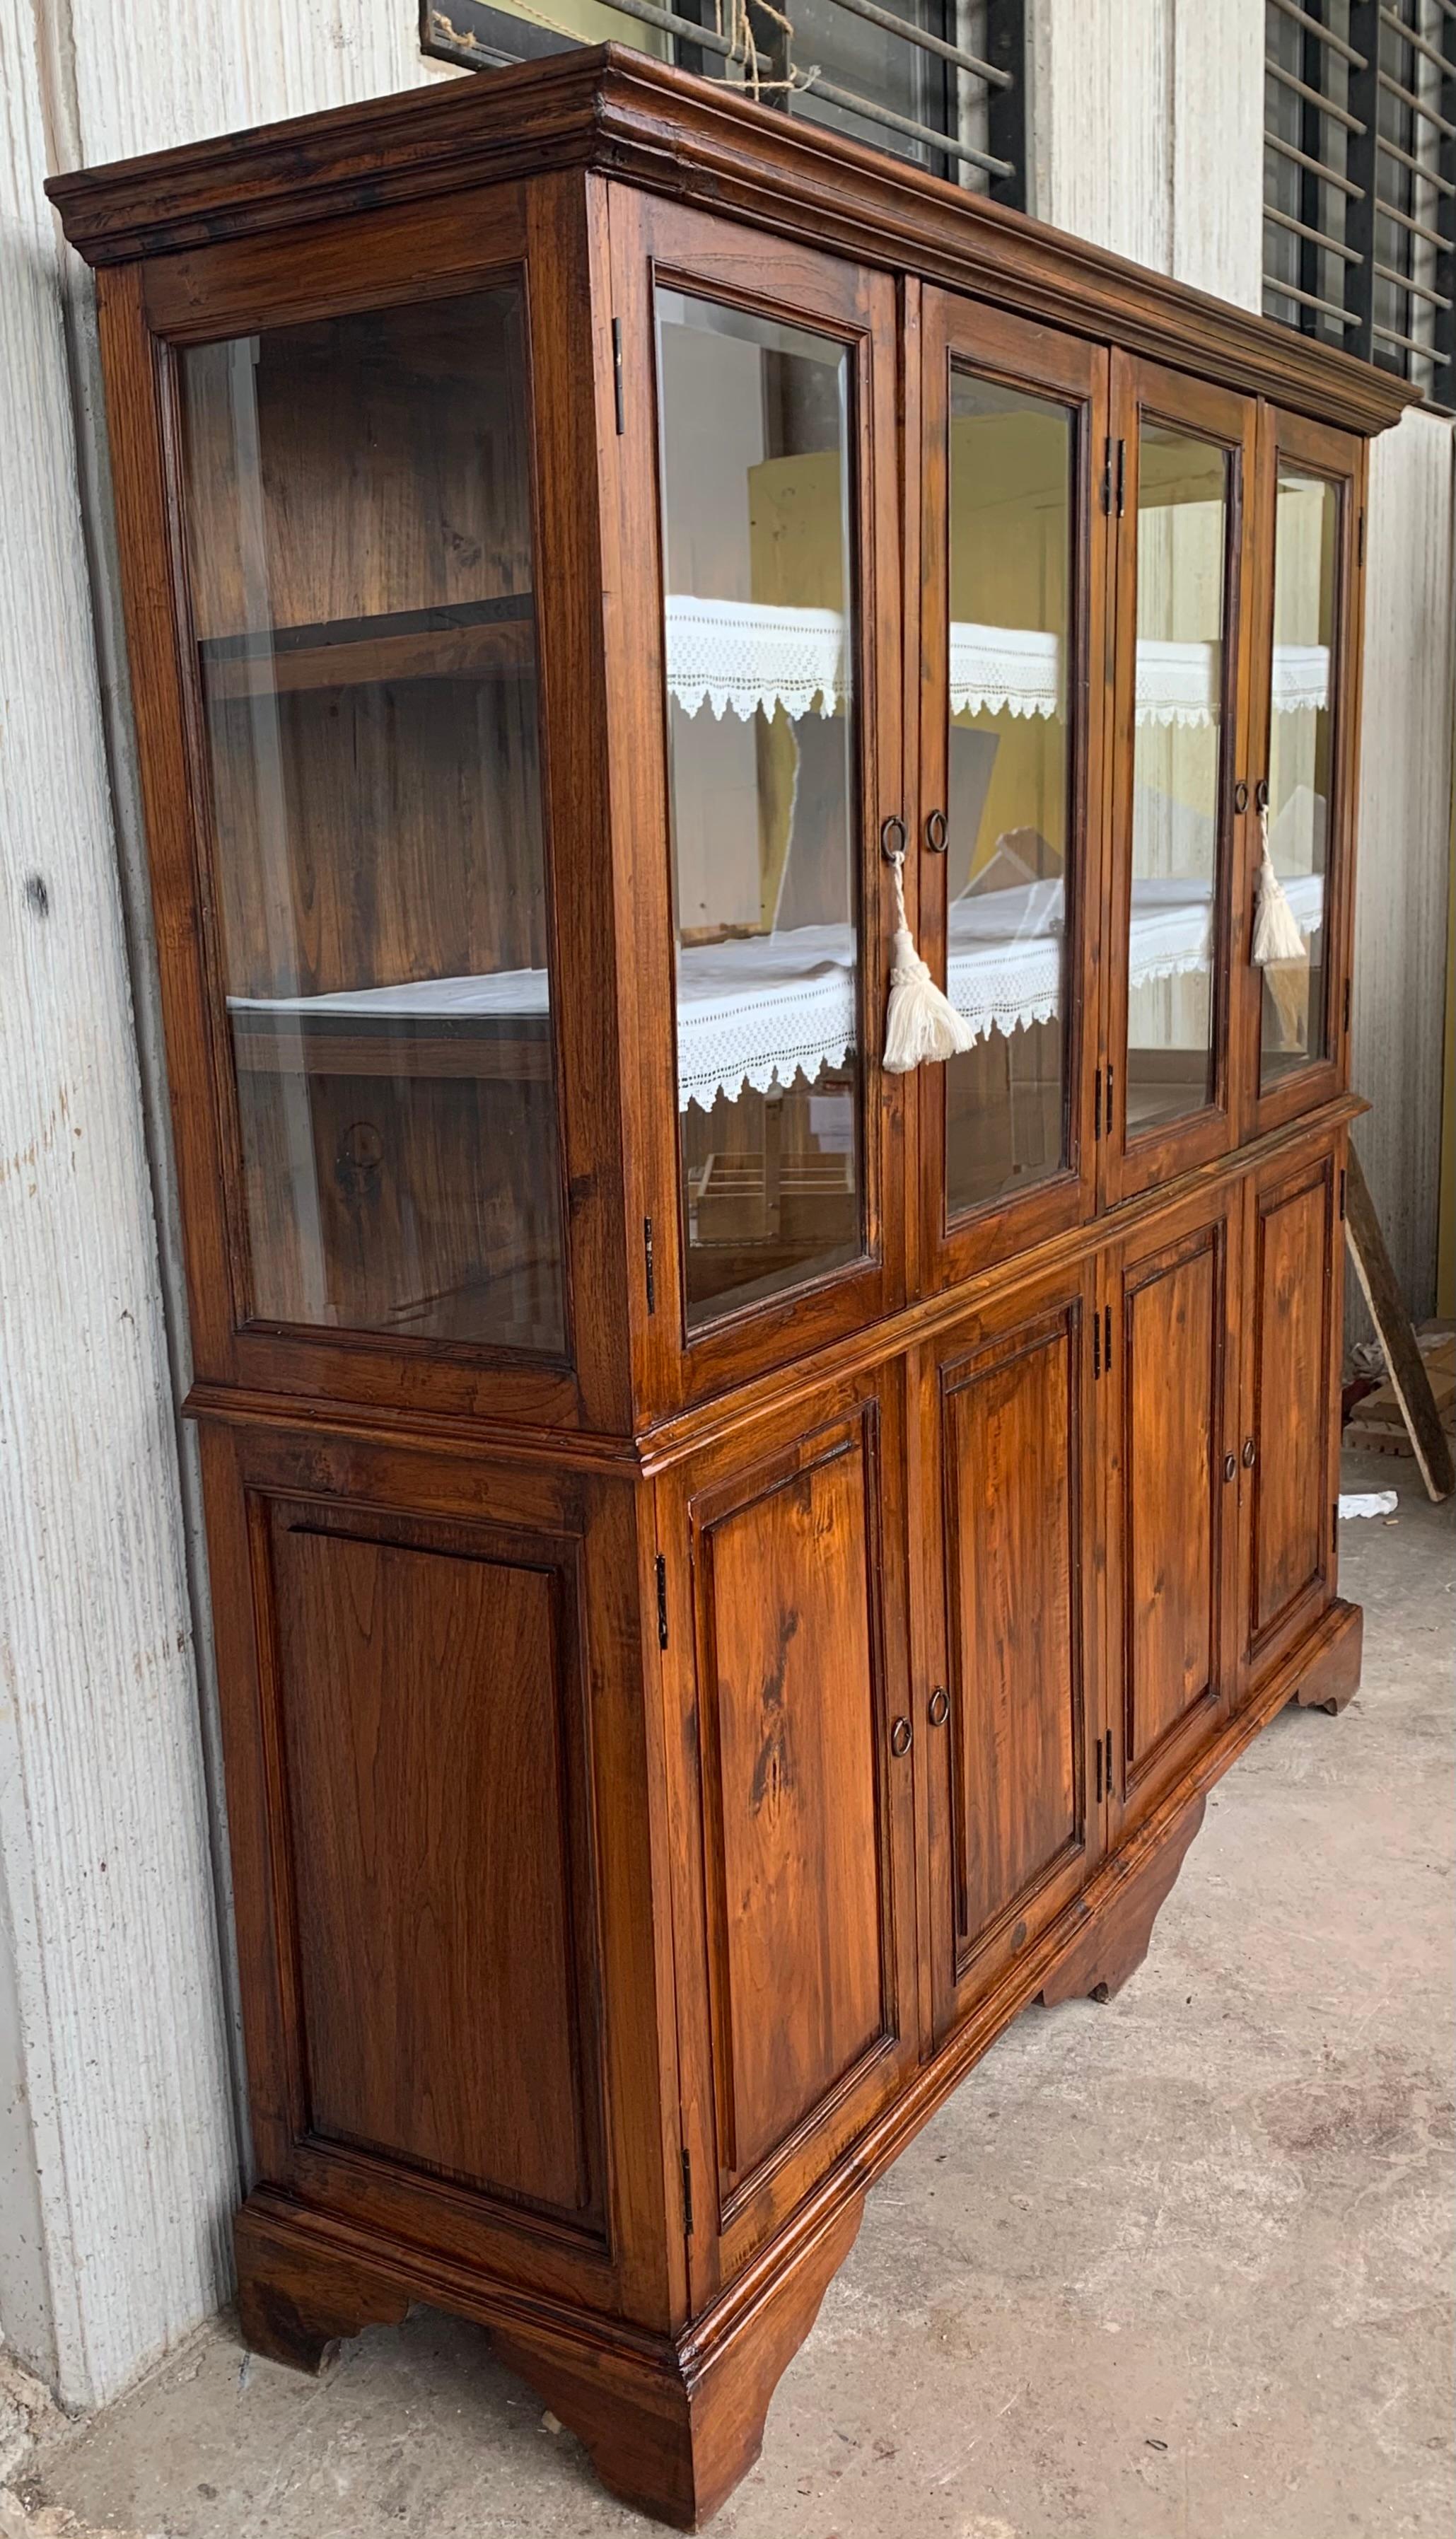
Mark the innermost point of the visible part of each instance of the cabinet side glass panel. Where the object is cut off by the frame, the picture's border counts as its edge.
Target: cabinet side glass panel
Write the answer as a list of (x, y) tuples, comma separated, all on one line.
[(1301, 739), (761, 670), (359, 530), (1008, 838), (1183, 508)]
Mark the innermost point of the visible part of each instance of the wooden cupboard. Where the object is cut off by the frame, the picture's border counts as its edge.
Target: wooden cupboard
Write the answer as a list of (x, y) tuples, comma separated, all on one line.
[(733, 1570)]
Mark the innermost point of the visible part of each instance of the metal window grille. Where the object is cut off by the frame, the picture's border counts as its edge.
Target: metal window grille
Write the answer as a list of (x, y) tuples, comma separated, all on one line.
[(1359, 179), (939, 82)]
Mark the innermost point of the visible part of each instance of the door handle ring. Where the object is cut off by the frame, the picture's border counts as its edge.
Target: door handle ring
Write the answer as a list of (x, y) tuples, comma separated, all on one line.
[(937, 832)]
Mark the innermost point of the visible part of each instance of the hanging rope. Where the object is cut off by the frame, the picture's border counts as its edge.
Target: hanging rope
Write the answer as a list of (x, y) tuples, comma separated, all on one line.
[(734, 23)]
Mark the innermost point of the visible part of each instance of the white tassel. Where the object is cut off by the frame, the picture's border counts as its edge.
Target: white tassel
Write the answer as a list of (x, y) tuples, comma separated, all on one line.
[(920, 1022), (1277, 935)]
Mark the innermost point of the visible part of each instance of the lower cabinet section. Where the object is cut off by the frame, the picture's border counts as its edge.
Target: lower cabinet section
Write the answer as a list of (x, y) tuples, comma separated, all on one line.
[(790, 1727), (1004, 1599), (628, 1860)]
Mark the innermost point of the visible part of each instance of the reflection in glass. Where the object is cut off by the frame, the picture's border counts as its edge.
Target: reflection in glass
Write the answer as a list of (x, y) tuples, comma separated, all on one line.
[(1300, 742), (359, 535), (1006, 852), (1182, 549), (761, 644)]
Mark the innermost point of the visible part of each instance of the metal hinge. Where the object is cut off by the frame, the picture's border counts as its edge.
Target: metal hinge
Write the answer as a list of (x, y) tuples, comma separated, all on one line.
[(617, 374), (1334, 1523), (1342, 1194), (1360, 554), (649, 1265), (1096, 1347), (1097, 1104), (662, 1602), (1345, 1024), (1108, 1772), (1121, 469), (1099, 1771), (687, 2193)]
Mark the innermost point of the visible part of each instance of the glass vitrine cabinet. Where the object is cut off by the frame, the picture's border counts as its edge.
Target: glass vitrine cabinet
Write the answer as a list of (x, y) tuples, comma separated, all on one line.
[(733, 1568)]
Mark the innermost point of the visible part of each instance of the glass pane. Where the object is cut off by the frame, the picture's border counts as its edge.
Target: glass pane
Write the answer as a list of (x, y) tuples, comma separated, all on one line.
[(760, 641), (360, 529), (1009, 757), (1301, 734), (1182, 524)]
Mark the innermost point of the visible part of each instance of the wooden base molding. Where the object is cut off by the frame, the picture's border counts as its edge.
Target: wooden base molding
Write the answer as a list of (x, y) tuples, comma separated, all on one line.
[(1333, 1676), (1100, 1960), (671, 2425)]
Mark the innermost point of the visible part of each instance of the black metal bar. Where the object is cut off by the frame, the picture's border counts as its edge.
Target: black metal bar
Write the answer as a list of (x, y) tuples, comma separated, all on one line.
[(1408, 98), (1310, 300), (1359, 224), (1408, 221), (1412, 344), (1407, 282), (1325, 34), (1443, 331), (1006, 106), (911, 33), (1391, 150)]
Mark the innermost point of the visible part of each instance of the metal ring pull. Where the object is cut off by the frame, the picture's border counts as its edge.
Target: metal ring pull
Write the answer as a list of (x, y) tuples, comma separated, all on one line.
[(939, 1709), (891, 828), (937, 832), (1248, 1454), (900, 1735), (1241, 795)]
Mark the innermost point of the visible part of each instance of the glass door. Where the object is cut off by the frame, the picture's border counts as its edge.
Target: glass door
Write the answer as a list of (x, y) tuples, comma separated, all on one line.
[(1008, 837), (1182, 466), (762, 481), (1304, 751)]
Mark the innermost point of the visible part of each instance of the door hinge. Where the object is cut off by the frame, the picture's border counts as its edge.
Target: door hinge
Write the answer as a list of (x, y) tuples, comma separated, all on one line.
[(1359, 551), (1122, 469), (1107, 1338), (617, 375), (662, 1602), (1107, 1773), (649, 1264), (1099, 1771), (1345, 1008), (1107, 475), (1334, 1523), (1096, 1347), (1097, 1105), (1342, 1194), (687, 2193)]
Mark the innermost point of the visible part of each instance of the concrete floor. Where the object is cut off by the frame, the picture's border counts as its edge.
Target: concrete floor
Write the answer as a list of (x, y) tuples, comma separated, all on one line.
[(1178, 2268)]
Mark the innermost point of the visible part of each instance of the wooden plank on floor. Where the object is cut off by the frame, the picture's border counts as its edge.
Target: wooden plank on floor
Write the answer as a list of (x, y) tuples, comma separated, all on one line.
[(1404, 1365)]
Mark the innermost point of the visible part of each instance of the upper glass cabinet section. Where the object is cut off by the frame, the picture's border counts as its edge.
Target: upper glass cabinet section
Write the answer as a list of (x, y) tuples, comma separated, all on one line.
[(762, 706), (1179, 708), (359, 527), (1004, 829), (1293, 1031)]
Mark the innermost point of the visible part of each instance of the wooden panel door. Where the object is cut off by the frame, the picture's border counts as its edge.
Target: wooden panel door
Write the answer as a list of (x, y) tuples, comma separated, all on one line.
[(438, 1785), (1006, 1589), (1288, 1455), (1009, 842), (1169, 1369), (1182, 462), (1293, 1016), (753, 656), (790, 1733)]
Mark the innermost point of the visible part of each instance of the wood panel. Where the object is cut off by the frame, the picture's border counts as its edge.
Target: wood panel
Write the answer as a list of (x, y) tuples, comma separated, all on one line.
[(1010, 1720), (1170, 1362), (1287, 1455), (433, 1732), (794, 1804)]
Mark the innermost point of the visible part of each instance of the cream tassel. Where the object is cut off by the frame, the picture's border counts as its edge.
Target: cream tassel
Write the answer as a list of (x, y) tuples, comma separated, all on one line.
[(920, 1023), (1277, 935)]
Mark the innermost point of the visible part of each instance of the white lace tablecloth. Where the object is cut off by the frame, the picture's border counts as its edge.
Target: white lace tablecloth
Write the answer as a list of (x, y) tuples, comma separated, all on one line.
[(766, 1011), (745, 656)]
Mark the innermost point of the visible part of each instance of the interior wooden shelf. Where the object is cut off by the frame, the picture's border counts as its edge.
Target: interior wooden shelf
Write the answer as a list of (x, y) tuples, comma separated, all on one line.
[(343, 1045), (494, 635)]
